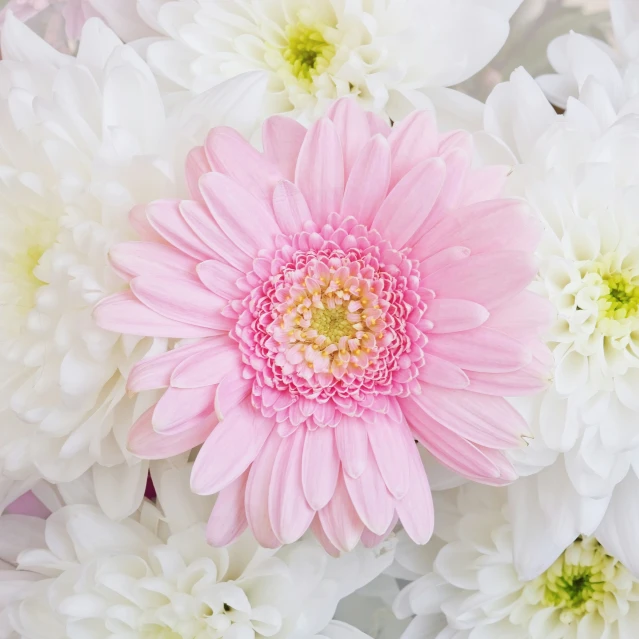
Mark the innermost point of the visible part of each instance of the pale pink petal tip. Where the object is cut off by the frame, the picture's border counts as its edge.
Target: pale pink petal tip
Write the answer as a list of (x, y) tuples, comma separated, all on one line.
[(348, 291)]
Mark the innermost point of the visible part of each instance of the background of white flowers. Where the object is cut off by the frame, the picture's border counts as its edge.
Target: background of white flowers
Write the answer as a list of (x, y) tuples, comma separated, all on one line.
[(533, 26)]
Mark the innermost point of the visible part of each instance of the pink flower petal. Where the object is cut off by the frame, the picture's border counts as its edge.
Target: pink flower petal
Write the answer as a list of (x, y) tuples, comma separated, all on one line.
[(412, 141), (389, 449), (507, 472), (485, 183), (458, 165), (232, 446), (145, 443), (367, 186), (201, 222), (490, 279), (407, 206), (155, 372), (529, 380), (246, 220), (283, 138), (320, 466), (291, 210), (165, 218), (182, 301), (340, 521), (441, 372), (231, 391), (488, 421), (371, 499), (523, 316), (352, 128), (498, 225), (178, 407), (437, 240), (288, 509), (416, 509), (320, 170), (257, 490), (452, 316), (352, 445), (208, 366), (320, 535), (483, 350), (131, 259), (219, 278), (140, 223), (370, 540), (228, 520), (197, 165), (229, 153), (448, 447), (443, 258), (456, 140), (378, 125), (123, 313)]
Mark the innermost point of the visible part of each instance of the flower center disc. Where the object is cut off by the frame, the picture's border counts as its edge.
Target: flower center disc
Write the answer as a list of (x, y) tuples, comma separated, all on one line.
[(336, 323), (330, 319), (620, 298), (579, 581), (21, 265), (332, 323), (307, 51)]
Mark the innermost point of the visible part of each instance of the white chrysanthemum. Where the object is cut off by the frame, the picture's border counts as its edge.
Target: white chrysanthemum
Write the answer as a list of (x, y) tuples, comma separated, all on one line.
[(154, 576), (467, 586), (581, 172), (81, 142), (389, 53)]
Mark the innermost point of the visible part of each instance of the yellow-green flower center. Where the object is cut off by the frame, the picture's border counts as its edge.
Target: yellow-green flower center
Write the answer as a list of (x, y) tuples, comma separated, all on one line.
[(21, 265), (332, 323), (579, 581), (620, 297), (307, 51)]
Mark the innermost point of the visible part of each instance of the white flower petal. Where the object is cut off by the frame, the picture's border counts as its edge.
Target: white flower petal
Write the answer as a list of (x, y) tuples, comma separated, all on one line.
[(18, 533), (140, 576), (618, 528), (382, 53), (120, 489)]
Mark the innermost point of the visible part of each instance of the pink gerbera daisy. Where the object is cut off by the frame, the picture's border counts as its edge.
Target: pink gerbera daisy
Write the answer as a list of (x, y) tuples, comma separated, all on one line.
[(349, 290)]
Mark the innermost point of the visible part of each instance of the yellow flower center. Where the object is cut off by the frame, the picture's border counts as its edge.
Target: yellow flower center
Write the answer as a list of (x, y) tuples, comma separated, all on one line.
[(307, 51), (22, 264), (579, 581), (332, 323)]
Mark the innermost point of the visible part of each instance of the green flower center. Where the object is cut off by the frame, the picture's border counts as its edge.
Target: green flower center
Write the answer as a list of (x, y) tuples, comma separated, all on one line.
[(332, 323), (572, 589), (579, 581), (307, 52)]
